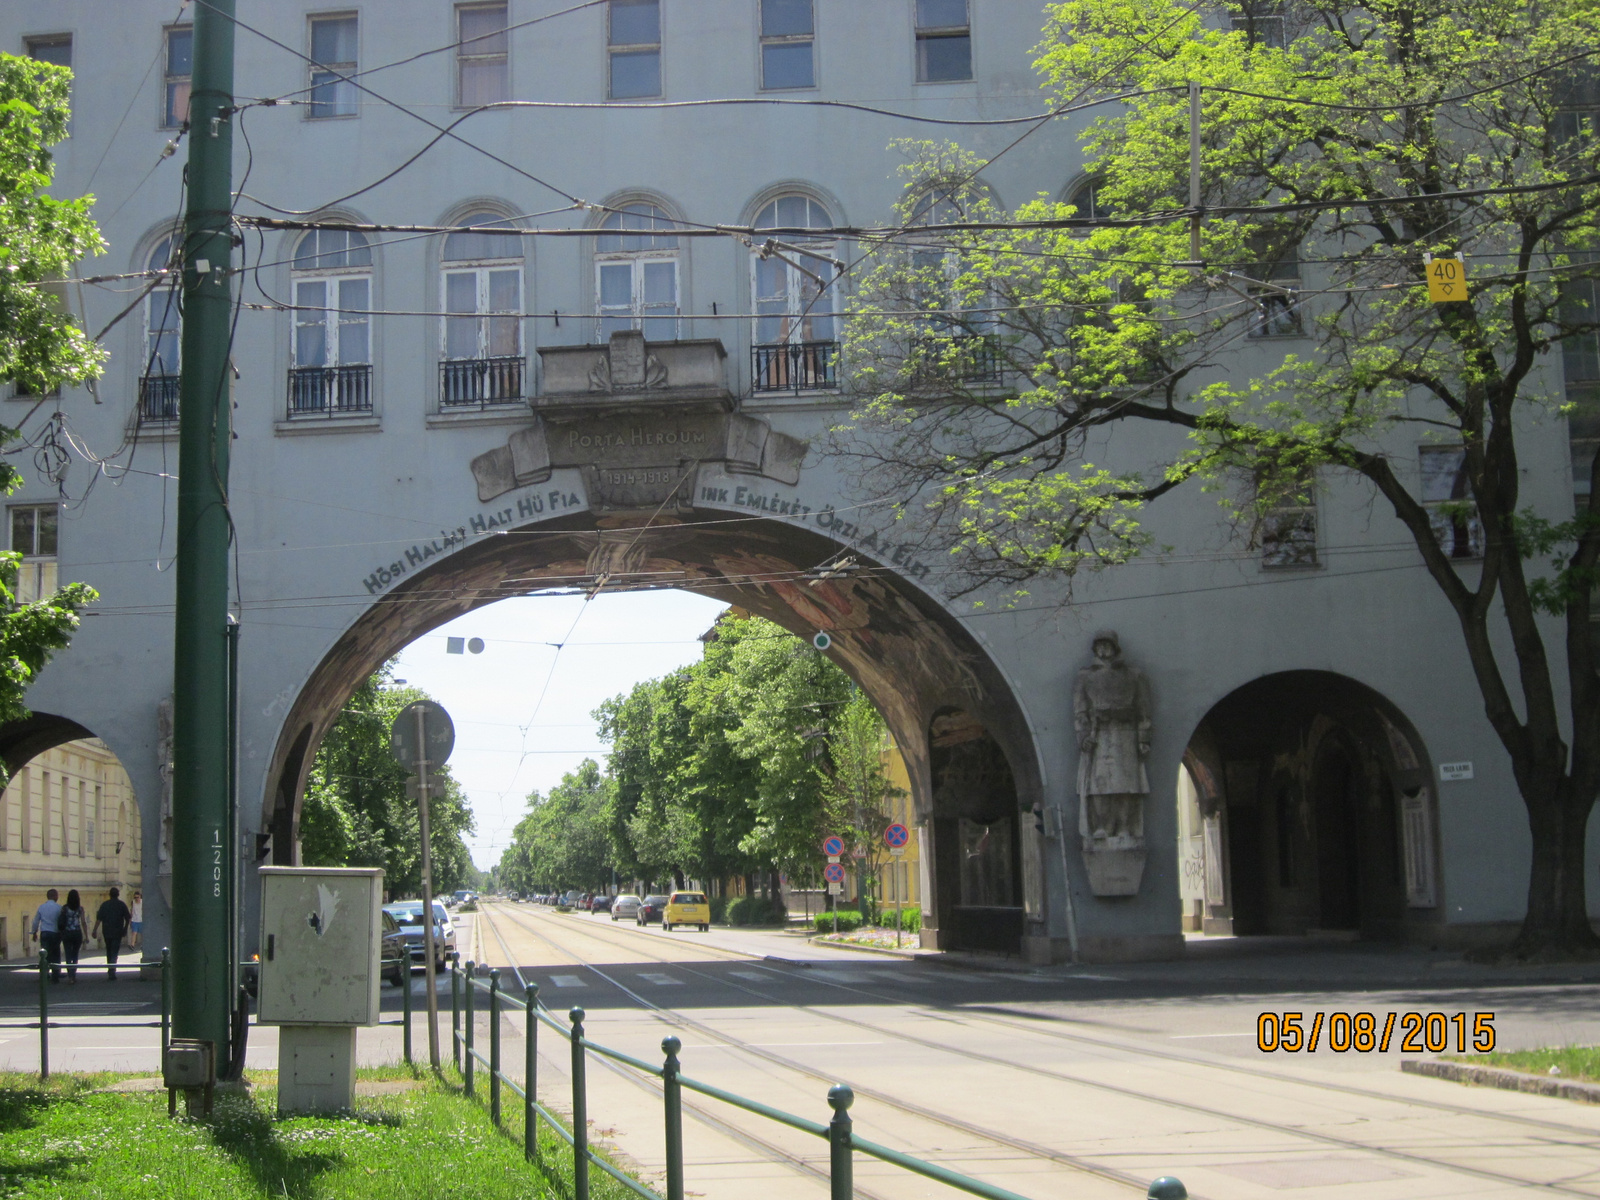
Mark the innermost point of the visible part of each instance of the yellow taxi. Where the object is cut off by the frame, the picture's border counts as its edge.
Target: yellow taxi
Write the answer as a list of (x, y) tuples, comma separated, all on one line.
[(686, 908)]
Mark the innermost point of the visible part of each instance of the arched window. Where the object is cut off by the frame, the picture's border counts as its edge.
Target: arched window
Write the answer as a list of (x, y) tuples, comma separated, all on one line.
[(158, 382), (795, 346), (482, 281), (332, 370), (636, 272), (1086, 199), (958, 345)]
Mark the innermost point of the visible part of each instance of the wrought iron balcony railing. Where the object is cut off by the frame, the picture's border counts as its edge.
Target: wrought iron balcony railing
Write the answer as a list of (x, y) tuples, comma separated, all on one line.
[(964, 358), (795, 366), (480, 382), (330, 391), (158, 398)]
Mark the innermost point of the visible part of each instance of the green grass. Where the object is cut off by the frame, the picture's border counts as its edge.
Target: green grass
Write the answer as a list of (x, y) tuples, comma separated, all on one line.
[(68, 1140), (1576, 1062)]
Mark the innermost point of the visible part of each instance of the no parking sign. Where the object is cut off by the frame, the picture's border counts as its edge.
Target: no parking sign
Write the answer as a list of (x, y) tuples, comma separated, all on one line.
[(897, 835), (833, 872)]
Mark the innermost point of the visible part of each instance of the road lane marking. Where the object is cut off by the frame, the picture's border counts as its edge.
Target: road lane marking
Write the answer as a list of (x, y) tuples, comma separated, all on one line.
[(567, 981), (660, 980), (758, 976)]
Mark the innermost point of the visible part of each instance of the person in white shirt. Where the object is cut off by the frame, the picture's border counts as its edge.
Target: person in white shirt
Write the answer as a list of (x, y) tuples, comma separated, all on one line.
[(47, 928)]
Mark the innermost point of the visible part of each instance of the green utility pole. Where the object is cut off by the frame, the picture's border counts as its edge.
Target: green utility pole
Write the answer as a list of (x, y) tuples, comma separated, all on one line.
[(202, 851)]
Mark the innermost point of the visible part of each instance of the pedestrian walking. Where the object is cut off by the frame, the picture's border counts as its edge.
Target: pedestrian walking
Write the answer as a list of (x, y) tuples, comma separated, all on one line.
[(47, 928), (74, 924), (111, 923), (136, 920)]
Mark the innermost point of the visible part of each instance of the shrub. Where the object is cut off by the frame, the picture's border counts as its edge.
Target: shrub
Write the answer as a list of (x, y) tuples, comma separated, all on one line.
[(467, 906), (755, 910), (848, 918), (910, 918), (719, 910)]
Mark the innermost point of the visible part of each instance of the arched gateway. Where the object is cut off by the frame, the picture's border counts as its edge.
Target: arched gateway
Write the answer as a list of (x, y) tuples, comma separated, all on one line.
[(676, 487)]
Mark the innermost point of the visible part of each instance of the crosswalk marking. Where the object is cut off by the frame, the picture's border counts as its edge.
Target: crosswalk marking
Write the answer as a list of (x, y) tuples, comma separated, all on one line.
[(758, 976), (567, 981), (659, 980)]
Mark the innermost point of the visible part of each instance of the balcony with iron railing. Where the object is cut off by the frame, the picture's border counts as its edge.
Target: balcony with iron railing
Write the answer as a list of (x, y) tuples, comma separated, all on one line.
[(794, 367), (963, 358), (158, 398), (477, 383), (328, 392)]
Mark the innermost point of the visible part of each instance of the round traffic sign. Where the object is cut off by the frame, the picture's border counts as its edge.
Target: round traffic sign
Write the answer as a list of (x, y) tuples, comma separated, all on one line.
[(438, 735), (833, 844), (833, 872), (897, 834), (821, 640)]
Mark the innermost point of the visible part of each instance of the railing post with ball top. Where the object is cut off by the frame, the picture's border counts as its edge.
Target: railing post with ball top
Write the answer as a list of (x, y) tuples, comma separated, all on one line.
[(580, 1112), (472, 1005), (530, 1076), (840, 1167), (672, 1097), (494, 1046)]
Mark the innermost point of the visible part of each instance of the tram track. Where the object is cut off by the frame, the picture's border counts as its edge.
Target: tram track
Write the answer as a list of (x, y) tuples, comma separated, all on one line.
[(771, 1150), (1556, 1132), (1023, 1022)]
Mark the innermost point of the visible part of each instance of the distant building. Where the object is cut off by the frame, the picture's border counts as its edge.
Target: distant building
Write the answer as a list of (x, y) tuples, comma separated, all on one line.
[(67, 820)]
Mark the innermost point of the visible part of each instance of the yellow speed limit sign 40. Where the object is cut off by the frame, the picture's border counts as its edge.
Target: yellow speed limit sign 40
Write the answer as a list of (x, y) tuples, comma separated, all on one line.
[(1447, 277)]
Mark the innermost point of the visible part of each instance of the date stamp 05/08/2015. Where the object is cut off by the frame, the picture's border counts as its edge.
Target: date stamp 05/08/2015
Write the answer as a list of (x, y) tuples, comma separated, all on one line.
[(1365, 1032)]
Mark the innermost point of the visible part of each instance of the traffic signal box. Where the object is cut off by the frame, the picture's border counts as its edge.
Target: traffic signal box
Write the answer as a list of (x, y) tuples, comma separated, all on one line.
[(321, 939)]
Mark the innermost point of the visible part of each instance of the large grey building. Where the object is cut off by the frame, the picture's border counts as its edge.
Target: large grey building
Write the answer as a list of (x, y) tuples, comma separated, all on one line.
[(430, 421)]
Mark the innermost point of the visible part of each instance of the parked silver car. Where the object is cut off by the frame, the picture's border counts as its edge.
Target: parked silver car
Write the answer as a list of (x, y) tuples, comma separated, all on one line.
[(409, 914), (625, 905)]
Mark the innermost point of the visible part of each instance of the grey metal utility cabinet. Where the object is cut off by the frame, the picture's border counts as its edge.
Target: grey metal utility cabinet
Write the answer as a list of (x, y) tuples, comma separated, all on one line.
[(321, 939)]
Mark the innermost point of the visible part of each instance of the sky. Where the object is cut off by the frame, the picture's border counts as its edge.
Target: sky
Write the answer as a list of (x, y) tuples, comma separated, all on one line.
[(522, 707)]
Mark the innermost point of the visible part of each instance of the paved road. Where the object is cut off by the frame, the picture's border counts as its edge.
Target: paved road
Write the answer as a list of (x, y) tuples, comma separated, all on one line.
[(1086, 1082)]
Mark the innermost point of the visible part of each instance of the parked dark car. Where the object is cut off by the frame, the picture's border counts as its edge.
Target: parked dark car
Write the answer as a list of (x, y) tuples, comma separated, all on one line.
[(651, 910), (396, 964), (601, 904)]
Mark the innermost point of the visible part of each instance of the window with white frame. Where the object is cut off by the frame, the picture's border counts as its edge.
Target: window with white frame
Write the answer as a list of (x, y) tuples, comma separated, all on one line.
[(333, 55), (633, 30), (1447, 495), (33, 535), (636, 272), (1274, 286), (158, 384), (483, 74), (795, 344), (788, 42), (176, 76), (332, 369), (944, 41), (957, 344), (482, 282)]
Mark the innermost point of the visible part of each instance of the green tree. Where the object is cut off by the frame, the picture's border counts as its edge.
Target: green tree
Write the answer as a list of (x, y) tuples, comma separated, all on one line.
[(41, 348), (1352, 140), (562, 841), (356, 811)]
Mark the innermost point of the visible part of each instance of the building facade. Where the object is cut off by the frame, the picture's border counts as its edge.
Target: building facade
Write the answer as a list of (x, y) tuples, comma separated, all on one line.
[(68, 819), (519, 350)]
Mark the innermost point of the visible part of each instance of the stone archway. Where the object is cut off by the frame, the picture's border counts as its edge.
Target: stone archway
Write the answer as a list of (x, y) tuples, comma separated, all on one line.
[(1318, 811), (910, 658)]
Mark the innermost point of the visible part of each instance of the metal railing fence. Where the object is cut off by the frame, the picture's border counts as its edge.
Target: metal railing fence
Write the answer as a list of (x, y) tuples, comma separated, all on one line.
[(843, 1144), (44, 1025)]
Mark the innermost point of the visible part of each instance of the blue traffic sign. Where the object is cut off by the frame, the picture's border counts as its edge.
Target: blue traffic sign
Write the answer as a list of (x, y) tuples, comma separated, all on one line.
[(897, 834), (833, 844), (833, 872)]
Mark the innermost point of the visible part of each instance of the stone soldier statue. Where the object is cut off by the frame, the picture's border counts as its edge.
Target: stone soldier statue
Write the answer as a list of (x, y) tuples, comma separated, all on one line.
[(1111, 712)]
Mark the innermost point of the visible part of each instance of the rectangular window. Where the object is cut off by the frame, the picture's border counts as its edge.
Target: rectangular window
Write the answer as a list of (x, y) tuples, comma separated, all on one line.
[(634, 37), (1277, 295), (1447, 495), (331, 322), (180, 66), (53, 48), (788, 30), (483, 73), (944, 41), (1262, 24), (333, 51), (1288, 529), (639, 293), (44, 811), (25, 824), (33, 535), (85, 821), (485, 305)]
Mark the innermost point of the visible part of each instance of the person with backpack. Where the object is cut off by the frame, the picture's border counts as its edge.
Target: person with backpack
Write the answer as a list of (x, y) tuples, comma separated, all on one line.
[(111, 922), (74, 923)]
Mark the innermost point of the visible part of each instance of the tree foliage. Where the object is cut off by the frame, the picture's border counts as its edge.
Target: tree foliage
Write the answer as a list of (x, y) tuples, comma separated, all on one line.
[(356, 812), (734, 764), (1341, 145), (41, 348)]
